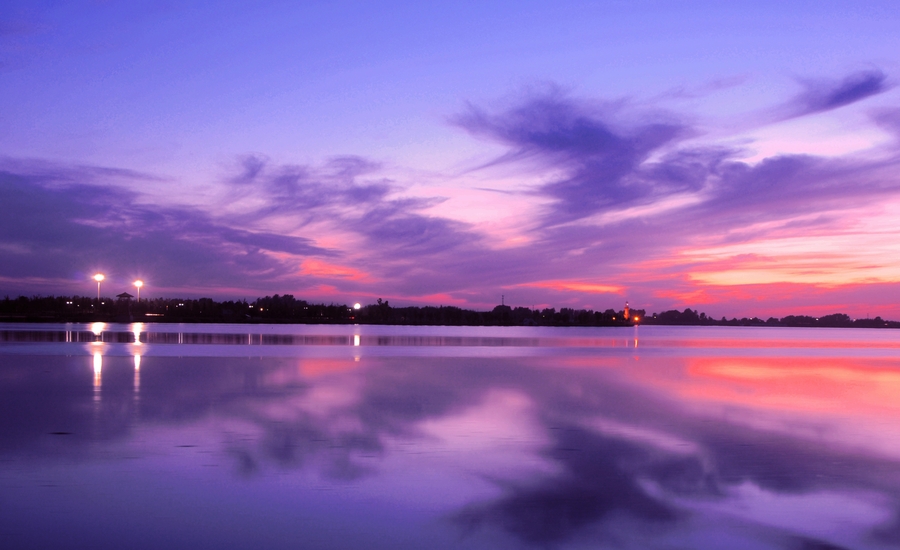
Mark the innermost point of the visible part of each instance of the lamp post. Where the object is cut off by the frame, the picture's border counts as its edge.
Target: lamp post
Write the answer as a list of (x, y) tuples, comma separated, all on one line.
[(139, 284), (98, 277)]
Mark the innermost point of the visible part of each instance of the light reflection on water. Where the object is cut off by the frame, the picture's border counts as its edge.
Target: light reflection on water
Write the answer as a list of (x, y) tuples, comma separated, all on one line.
[(740, 338), (566, 439)]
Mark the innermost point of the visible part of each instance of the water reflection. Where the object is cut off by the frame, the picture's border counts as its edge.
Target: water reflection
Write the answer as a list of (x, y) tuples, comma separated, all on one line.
[(137, 334), (668, 338), (137, 373), (98, 373), (567, 450)]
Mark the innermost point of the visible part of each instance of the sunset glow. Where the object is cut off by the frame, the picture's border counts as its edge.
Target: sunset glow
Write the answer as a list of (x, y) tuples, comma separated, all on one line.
[(561, 157)]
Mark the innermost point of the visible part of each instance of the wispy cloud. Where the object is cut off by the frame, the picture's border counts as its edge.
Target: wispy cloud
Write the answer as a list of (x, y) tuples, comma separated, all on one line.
[(65, 223), (627, 204), (601, 160), (824, 95)]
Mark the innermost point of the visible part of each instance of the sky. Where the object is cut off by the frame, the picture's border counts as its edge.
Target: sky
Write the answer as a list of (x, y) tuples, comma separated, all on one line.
[(740, 158)]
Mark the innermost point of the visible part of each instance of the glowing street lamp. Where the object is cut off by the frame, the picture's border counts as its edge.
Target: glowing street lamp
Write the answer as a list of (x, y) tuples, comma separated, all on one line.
[(356, 305), (98, 277), (139, 284)]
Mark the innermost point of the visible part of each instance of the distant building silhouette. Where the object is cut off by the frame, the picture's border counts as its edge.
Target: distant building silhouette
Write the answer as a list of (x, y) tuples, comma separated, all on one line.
[(123, 308)]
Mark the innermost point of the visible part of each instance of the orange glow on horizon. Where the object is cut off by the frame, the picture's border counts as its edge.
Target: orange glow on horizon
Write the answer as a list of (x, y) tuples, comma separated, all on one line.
[(563, 286), (318, 268), (824, 260)]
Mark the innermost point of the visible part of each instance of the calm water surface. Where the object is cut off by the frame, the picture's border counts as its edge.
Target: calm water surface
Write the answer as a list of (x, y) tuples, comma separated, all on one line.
[(230, 436)]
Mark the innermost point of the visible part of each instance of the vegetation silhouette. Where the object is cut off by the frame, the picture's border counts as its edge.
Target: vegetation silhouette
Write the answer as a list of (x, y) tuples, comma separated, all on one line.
[(287, 309)]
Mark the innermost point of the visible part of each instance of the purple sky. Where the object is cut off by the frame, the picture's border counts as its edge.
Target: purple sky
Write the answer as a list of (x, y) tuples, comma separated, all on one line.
[(737, 157)]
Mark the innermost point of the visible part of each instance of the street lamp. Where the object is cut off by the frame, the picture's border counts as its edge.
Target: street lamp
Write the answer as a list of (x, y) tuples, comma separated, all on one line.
[(139, 284), (98, 277)]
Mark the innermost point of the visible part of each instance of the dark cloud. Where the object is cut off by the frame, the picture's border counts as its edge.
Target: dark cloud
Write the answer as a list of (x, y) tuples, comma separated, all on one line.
[(607, 160), (889, 533), (784, 188), (339, 193), (250, 167), (601, 160), (824, 95), (592, 163), (292, 188), (57, 228), (608, 167), (806, 543), (59, 174), (63, 222)]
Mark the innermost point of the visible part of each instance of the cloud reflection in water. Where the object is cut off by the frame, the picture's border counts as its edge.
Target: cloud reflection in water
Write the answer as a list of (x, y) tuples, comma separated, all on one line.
[(660, 452)]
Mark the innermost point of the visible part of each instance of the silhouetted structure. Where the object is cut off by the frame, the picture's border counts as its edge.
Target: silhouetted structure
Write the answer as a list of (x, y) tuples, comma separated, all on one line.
[(123, 308), (287, 309)]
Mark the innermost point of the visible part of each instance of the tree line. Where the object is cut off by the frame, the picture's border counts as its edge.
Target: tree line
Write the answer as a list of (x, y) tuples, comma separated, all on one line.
[(287, 309), (835, 320)]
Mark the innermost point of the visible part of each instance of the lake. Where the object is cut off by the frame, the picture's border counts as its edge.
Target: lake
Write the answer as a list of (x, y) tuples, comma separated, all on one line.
[(286, 436)]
